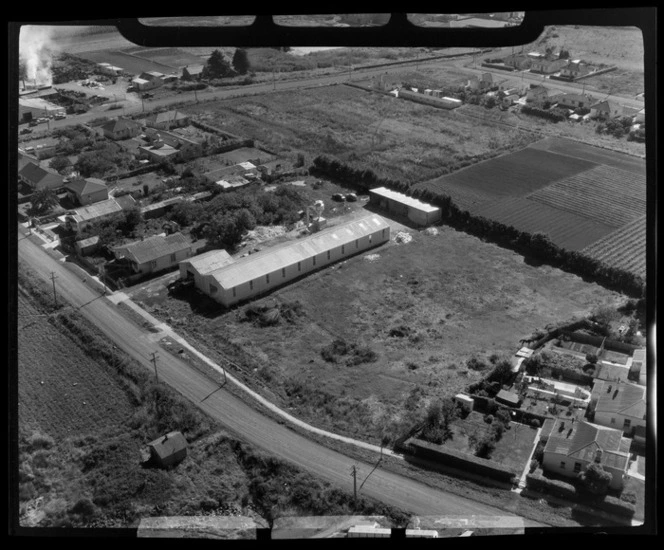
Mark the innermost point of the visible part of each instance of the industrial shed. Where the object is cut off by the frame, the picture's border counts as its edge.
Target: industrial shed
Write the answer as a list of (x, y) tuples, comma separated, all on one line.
[(276, 266), (198, 267), (418, 212)]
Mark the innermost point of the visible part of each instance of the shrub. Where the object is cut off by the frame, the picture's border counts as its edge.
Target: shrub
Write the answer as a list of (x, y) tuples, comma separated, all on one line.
[(488, 418), (628, 496), (535, 423), (595, 479)]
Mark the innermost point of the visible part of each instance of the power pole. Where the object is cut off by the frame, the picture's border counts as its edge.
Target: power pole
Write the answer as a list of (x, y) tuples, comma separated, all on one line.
[(55, 297), (154, 362), (354, 474)]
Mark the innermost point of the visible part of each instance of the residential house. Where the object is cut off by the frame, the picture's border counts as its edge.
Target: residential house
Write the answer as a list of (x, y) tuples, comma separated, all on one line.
[(229, 177), (637, 370), (148, 80), (109, 70), (82, 219), (168, 450), (156, 253), (640, 116), (618, 405), (192, 72), (121, 128), (575, 101), (574, 69), (605, 110), (87, 246), (167, 120), (481, 83), (518, 61), (509, 100), (538, 94), (37, 178), (158, 151), (87, 190), (572, 446), (547, 65)]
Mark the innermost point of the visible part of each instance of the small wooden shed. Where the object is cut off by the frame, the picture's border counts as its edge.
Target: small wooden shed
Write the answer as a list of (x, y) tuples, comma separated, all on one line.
[(168, 450)]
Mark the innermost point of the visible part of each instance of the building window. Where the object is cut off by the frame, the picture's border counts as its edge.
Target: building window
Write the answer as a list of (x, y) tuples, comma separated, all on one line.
[(283, 272), (613, 420), (627, 424), (213, 289), (299, 266), (234, 293), (172, 258), (357, 243), (370, 238), (343, 249), (383, 233), (328, 254), (251, 285), (153, 264), (314, 258), (562, 465), (577, 467)]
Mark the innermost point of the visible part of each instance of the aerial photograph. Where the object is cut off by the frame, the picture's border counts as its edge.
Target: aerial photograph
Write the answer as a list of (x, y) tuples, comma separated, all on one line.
[(279, 292)]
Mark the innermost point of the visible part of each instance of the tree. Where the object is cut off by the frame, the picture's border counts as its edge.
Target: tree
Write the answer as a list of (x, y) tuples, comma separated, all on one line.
[(217, 66), (595, 479), (240, 61), (59, 163), (42, 201), (490, 102), (132, 217)]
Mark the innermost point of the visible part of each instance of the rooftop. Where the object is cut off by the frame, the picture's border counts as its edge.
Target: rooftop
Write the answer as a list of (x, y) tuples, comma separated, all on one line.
[(153, 248), (169, 444), (624, 398), (289, 253), (97, 210), (583, 440), (87, 185), (119, 125), (404, 199), (40, 177), (210, 261)]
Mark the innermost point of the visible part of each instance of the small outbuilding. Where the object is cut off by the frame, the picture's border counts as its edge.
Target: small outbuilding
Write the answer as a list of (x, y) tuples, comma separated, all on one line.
[(167, 450), (508, 398), (418, 212)]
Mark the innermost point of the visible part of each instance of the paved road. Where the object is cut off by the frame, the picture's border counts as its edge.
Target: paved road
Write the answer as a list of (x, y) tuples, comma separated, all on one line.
[(233, 413)]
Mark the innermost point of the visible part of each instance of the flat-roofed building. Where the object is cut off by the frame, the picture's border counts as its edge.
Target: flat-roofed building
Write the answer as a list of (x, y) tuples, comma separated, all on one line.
[(273, 267), (418, 212)]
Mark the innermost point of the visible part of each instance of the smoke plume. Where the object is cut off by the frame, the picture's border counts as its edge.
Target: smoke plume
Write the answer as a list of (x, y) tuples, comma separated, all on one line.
[(36, 50)]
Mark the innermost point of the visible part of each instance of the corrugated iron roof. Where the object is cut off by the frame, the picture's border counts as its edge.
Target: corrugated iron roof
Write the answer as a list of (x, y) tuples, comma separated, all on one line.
[(119, 125), (96, 210), (155, 247), (287, 254), (40, 177), (624, 398), (87, 185), (209, 261), (404, 199)]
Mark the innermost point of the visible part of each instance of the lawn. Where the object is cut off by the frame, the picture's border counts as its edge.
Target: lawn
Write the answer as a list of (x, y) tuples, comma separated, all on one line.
[(456, 295)]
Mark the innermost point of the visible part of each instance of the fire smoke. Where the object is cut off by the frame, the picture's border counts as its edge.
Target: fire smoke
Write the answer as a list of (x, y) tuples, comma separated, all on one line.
[(36, 50)]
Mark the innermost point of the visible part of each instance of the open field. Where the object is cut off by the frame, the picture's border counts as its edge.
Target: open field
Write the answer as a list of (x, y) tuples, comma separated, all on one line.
[(171, 57), (424, 308), (624, 248), (395, 138), (131, 64)]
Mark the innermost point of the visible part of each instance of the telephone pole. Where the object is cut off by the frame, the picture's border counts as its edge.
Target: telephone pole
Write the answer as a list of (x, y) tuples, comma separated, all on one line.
[(354, 474), (55, 297), (154, 362)]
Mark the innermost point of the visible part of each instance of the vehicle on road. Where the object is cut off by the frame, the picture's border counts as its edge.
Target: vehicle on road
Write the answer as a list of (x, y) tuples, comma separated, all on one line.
[(26, 131), (338, 197), (33, 123), (59, 116), (351, 197)]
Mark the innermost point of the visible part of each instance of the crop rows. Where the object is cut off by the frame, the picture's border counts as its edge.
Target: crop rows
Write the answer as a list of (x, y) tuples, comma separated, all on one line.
[(624, 248), (604, 194), (565, 229), (516, 174)]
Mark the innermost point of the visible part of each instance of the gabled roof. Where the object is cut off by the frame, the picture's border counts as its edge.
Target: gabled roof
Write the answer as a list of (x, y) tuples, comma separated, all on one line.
[(154, 247), (39, 177), (287, 254), (119, 125), (605, 105), (168, 116), (209, 261), (404, 199), (623, 398), (87, 185), (97, 210), (165, 446), (584, 441)]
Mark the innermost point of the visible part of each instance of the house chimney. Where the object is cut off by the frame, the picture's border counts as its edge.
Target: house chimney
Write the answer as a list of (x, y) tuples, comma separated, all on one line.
[(598, 455)]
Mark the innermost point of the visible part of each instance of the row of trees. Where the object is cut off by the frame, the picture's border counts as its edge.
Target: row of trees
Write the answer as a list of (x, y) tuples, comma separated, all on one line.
[(217, 66)]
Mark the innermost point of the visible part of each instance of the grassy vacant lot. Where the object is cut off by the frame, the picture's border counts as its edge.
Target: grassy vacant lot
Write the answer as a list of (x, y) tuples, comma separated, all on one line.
[(84, 413), (422, 307), (395, 138)]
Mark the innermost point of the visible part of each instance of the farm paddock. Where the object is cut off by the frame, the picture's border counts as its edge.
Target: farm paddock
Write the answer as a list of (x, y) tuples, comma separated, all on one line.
[(424, 307)]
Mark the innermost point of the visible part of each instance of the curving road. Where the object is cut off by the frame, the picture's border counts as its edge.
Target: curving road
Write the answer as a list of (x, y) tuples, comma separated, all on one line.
[(233, 413)]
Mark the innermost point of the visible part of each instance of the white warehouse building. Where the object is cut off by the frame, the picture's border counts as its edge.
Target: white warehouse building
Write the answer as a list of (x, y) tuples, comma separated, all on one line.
[(198, 267), (418, 212), (273, 267)]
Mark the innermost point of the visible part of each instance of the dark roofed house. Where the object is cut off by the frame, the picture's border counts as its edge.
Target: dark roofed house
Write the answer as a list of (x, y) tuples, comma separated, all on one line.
[(87, 191), (155, 253), (168, 450), (192, 72), (619, 405), (606, 109), (166, 120), (122, 128), (508, 398), (39, 178), (573, 445)]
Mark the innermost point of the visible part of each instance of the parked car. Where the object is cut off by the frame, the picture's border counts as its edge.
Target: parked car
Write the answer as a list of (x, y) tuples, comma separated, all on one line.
[(351, 197), (59, 116), (33, 123), (42, 119), (338, 197), (26, 131)]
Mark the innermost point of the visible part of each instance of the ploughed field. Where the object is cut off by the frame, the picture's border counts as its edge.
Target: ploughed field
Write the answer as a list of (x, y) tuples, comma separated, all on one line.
[(577, 194)]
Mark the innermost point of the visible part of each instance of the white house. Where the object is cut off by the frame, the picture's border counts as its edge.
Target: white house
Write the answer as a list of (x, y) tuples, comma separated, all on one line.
[(619, 405)]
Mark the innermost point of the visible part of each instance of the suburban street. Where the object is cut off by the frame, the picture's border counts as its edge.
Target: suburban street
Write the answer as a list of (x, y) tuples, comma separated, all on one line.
[(233, 413)]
